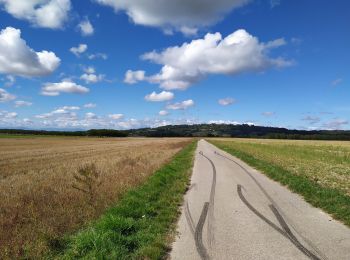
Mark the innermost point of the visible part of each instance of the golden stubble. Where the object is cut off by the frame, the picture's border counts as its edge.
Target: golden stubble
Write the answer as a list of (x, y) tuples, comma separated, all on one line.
[(39, 203)]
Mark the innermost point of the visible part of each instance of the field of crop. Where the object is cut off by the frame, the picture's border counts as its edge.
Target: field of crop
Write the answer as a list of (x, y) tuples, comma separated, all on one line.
[(318, 170), (50, 187)]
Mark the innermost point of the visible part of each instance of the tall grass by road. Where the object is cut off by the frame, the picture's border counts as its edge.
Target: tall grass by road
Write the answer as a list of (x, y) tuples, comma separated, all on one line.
[(138, 226), (318, 170), (53, 186)]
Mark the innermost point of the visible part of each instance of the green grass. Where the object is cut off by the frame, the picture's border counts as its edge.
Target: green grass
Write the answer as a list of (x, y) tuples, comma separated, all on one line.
[(333, 200), (141, 224)]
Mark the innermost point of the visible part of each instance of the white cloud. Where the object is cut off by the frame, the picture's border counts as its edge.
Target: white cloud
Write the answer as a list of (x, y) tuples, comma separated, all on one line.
[(268, 113), (10, 81), (159, 97), (189, 63), (65, 86), (189, 31), (224, 122), (91, 78), (5, 96), (311, 119), (17, 58), (274, 3), (226, 101), (176, 13), (86, 28), (90, 105), (79, 50), (132, 77), (7, 115), (89, 70), (41, 13), (90, 75), (21, 103), (98, 55), (163, 113), (335, 124), (65, 109), (90, 115), (181, 105), (116, 116), (336, 82)]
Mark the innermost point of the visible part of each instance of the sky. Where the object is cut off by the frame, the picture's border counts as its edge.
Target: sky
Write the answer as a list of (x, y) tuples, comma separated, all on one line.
[(120, 64)]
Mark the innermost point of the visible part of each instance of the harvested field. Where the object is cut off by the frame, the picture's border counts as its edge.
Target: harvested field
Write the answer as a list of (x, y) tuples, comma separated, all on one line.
[(43, 195)]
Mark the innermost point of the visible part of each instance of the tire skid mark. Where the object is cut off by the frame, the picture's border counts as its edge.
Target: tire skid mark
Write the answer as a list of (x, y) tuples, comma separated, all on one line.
[(202, 251), (189, 218), (286, 232), (210, 233), (271, 200), (294, 240), (251, 176)]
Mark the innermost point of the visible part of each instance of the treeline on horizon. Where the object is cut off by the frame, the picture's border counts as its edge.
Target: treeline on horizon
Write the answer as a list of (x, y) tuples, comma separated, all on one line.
[(200, 130)]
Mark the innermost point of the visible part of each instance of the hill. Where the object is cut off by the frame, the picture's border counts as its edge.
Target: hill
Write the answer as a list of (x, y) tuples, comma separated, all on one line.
[(200, 130)]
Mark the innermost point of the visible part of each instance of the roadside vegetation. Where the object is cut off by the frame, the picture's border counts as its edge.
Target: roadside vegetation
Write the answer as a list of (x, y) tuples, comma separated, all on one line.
[(318, 170), (140, 225), (50, 187)]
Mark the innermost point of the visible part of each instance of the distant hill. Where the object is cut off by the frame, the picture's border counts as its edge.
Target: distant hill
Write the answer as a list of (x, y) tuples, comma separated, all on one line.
[(200, 130), (242, 131)]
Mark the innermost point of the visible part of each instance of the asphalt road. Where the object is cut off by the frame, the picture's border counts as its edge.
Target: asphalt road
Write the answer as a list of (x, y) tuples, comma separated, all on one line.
[(232, 211)]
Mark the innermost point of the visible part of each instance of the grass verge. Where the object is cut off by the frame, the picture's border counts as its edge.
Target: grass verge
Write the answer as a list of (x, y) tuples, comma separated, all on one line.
[(333, 201), (138, 226)]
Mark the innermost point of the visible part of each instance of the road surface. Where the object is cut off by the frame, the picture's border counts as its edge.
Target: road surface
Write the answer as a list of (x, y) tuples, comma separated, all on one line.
[(232, 211)]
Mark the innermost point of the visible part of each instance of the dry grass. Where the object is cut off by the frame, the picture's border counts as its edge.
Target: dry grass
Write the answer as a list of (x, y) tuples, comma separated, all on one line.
[(325, 162), (40, 201)]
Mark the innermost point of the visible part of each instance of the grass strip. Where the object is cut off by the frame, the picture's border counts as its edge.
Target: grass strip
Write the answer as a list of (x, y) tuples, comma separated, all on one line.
[(138, 226), (331, 200)]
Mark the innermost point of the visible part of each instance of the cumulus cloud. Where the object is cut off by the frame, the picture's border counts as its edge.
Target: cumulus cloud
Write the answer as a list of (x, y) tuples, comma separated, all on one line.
[(159, 97), (86, 28), (21, 103), (132, 77), (17, 58), (175, 14), (90, 75), (91, 78), (268, 113), (181, 105), (65, 86), (226, 101), (5, 96), (79, 50), (163, 113), (116, 116), (41, 13), (90, 105), (189, 63), (311, 119)]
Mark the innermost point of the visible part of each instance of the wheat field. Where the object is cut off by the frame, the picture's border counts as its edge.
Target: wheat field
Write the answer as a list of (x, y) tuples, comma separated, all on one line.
[(46, 194)]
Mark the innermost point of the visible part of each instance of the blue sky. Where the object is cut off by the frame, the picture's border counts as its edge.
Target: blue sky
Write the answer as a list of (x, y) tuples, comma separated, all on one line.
[(68, 64)]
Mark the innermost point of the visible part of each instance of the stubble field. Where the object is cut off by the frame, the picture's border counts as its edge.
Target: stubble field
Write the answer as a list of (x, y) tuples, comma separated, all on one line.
[(50, 187)]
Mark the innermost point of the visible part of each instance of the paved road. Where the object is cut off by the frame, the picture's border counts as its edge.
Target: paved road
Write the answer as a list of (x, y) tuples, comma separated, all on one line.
[(232, 211)]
